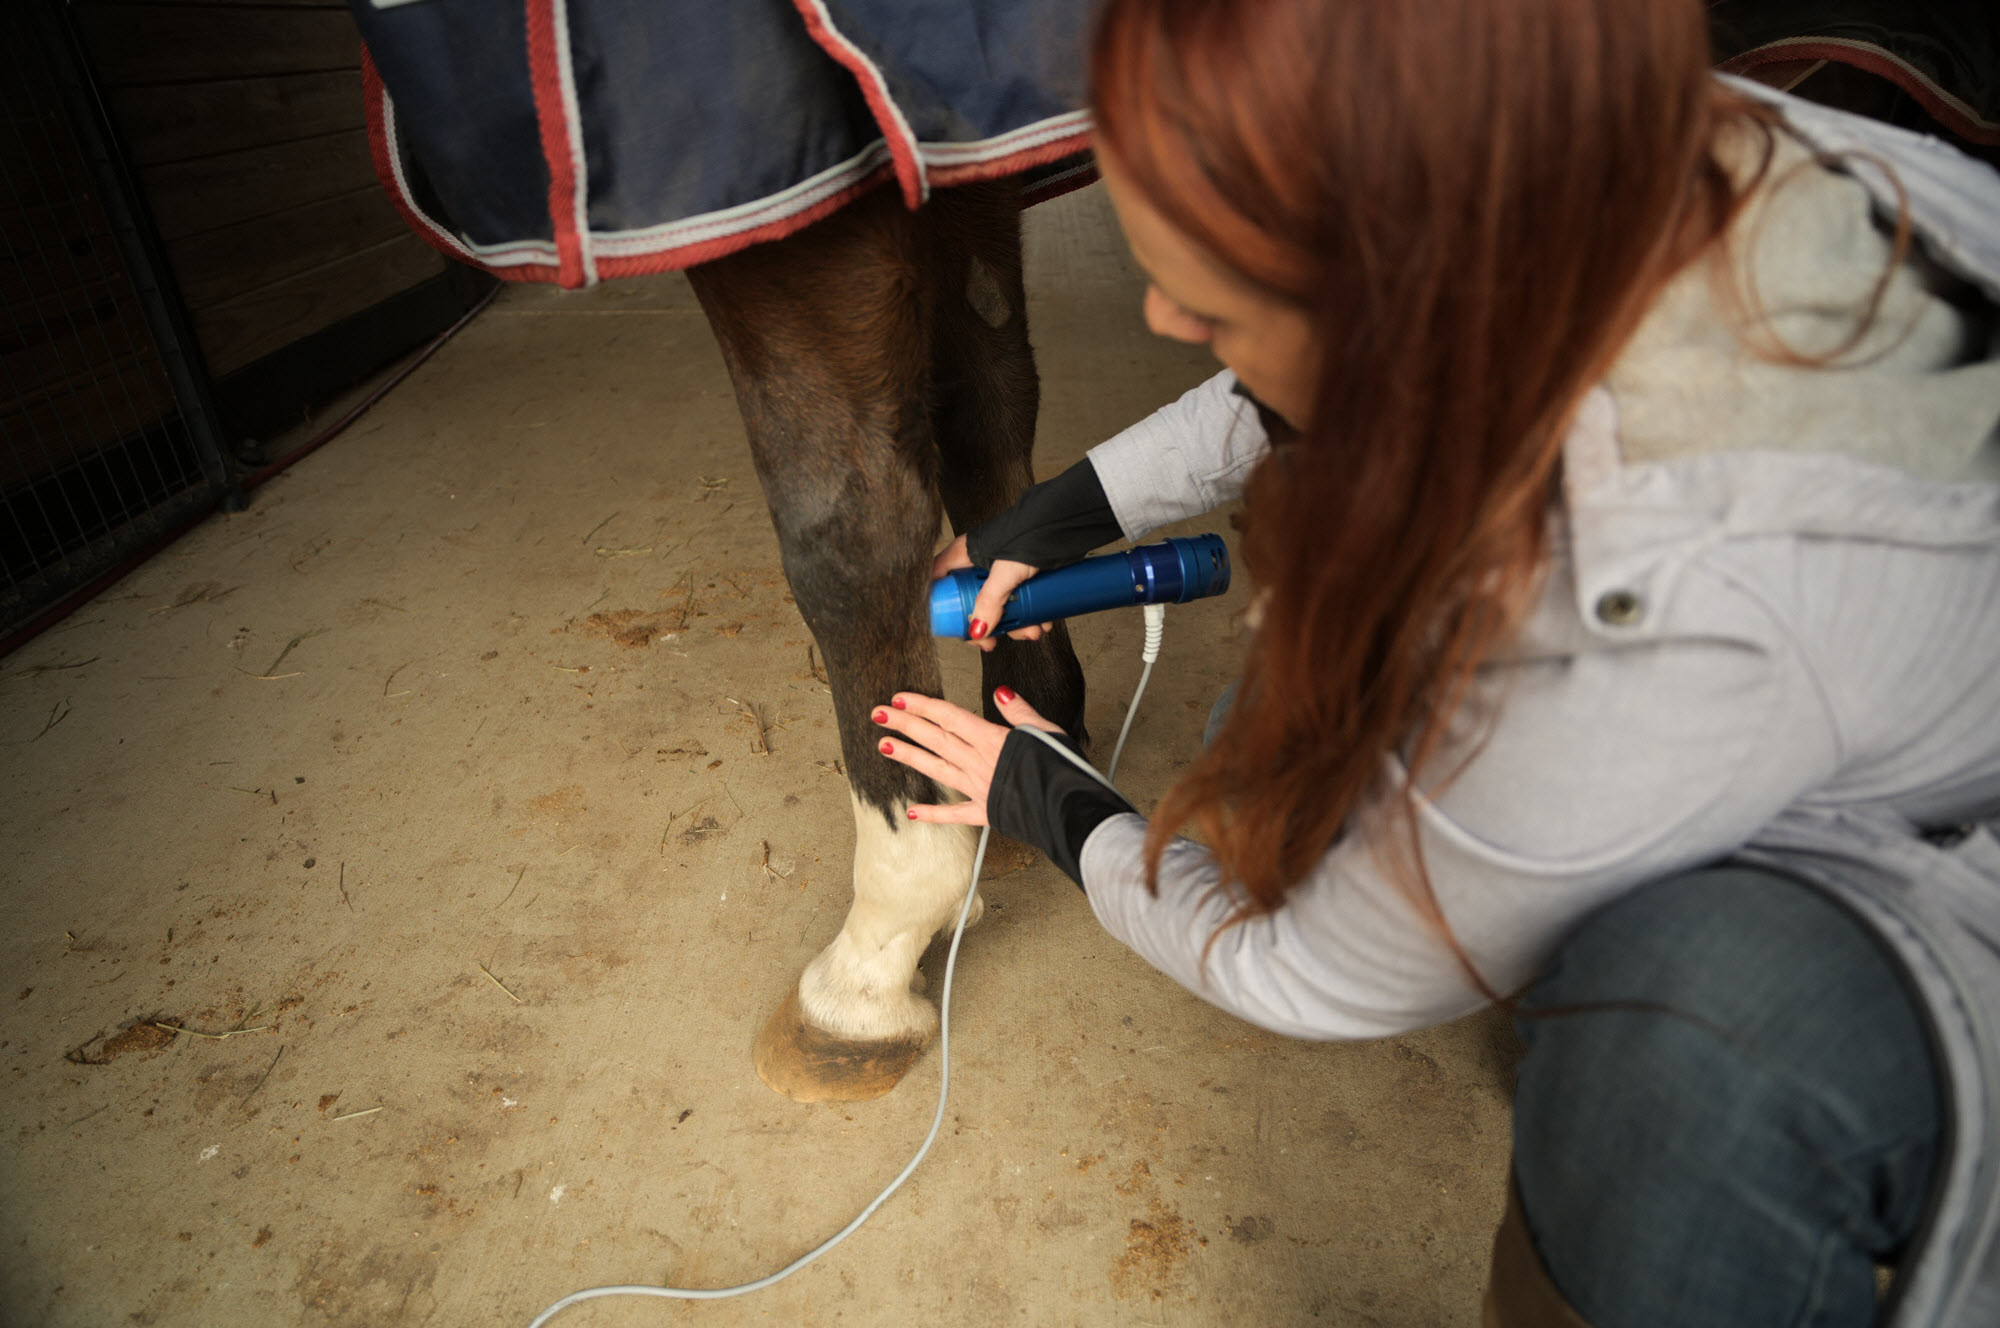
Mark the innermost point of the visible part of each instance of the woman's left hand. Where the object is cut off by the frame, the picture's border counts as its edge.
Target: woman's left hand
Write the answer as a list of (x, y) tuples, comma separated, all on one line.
[(953, 746)]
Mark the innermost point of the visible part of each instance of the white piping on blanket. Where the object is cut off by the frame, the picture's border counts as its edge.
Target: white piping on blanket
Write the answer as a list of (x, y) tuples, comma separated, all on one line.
[(1001, 145), (573, 129), (901, 125)]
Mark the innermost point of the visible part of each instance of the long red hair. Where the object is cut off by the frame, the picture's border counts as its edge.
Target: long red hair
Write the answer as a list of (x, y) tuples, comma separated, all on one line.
[(1475, 201)]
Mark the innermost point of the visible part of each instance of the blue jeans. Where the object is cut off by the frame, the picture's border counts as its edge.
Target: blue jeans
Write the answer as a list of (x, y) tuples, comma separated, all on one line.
[(1728, 1113)]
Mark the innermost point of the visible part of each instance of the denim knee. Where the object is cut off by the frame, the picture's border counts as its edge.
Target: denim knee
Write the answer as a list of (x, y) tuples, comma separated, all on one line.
[(1728, 1110)]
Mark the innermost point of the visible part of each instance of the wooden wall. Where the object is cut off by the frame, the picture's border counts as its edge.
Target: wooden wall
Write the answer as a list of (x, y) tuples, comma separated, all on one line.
[(78, 367), (243, 123)]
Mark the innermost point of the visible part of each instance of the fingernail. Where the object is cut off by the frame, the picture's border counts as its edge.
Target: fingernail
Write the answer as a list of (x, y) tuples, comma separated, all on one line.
[(978, 629), (888, 748), (911, 813), (900, 703), (1005, 695), (880, 717)]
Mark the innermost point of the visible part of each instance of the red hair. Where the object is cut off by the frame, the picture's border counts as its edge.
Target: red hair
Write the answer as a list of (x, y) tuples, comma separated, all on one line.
[(1474, 201)]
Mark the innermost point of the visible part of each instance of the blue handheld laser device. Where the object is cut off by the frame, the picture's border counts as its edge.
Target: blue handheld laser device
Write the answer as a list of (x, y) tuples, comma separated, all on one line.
[(1172, 572)]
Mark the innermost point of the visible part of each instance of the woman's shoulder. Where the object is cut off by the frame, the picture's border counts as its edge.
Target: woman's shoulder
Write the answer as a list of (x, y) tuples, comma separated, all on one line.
[(1616, 507), (1779, 562), (1952, 199), (1851, 310)]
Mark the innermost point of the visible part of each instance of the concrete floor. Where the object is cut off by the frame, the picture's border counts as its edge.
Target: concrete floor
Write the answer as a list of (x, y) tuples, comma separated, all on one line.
[(418, 774)]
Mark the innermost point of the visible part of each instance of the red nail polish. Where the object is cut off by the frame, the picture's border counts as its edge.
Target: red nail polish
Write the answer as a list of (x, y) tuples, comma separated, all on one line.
[(900, 703), (911, 813), (979, 629), (1005, 695), (880, 717), (888, 747)]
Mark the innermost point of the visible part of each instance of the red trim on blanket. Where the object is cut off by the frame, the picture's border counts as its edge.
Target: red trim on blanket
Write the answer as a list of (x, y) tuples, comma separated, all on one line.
[(706, 251), (902, 146), (374, 104), (1946, 109), (674, 258), (721, 246), (546, 78), (943, 177)]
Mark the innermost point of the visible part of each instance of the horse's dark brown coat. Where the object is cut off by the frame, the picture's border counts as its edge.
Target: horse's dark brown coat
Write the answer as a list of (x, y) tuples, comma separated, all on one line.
[(882, 365)]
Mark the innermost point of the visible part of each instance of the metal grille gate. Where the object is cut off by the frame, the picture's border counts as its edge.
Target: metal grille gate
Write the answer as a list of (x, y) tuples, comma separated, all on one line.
[(107, 440)]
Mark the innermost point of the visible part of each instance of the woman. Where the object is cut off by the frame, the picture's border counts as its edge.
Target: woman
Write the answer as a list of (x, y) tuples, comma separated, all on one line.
[(1619, 483)]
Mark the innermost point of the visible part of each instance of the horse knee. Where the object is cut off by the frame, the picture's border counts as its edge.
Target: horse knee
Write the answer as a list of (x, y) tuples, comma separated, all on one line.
[(856, 545)]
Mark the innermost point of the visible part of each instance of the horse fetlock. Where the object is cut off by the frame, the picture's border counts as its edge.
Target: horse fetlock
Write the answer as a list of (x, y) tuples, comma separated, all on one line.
[(856, 1021), (909, 881), (852, 1027), (867, 997)]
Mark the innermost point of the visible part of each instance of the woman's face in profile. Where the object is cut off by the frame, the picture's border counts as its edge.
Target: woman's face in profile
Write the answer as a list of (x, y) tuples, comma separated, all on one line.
[(1193, 297)]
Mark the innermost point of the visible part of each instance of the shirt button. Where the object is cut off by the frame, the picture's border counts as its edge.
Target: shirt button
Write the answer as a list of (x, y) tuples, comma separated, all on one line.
[(1620, 608)]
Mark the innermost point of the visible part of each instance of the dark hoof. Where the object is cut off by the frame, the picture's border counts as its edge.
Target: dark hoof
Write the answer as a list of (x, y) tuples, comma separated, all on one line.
[(809, 1065)]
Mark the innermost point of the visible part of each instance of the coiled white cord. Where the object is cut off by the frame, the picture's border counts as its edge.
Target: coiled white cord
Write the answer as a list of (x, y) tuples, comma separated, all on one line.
[(1156, 615), (1156, 628)]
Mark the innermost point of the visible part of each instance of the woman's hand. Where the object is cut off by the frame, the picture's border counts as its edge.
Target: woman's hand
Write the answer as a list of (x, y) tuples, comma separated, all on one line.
[(1005, 575), (953, 746)]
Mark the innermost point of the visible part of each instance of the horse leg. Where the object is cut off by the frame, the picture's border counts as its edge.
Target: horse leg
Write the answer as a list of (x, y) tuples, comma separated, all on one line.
[(985, 396), (826, 337)]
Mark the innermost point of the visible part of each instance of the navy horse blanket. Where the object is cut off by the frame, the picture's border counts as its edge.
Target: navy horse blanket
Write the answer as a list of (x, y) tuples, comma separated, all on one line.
[(572, 140)]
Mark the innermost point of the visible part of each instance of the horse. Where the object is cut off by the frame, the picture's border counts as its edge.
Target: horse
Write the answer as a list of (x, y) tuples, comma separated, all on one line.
[(860, 265)]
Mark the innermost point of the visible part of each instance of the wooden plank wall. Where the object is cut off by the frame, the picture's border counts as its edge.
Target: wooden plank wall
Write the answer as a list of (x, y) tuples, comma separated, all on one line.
[(78, 367), (244, 125)]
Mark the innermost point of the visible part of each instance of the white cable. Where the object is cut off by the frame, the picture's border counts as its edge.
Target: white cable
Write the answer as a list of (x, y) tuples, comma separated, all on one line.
[(944, 1088), (1155, 628)]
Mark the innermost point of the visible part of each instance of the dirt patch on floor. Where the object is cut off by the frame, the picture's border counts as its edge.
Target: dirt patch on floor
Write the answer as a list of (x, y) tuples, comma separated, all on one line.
[(1006, 856), (363, 1291), (1157, 1248), (559, 805), (631, 628), (143, 1035)]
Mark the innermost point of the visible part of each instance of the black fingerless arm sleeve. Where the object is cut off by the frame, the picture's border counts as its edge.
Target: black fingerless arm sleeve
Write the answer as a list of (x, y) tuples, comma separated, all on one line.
[(1041, 799), (1053, 524)]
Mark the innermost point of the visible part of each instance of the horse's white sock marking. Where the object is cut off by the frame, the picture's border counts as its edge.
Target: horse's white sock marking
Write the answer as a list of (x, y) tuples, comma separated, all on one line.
[(907, 883)]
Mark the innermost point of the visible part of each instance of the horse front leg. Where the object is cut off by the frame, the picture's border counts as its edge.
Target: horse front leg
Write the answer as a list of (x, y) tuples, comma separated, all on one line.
[(986, 394), (826, 338)]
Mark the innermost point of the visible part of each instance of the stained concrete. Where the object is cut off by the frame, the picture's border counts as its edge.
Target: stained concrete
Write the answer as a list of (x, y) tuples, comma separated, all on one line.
[(425, 790)]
